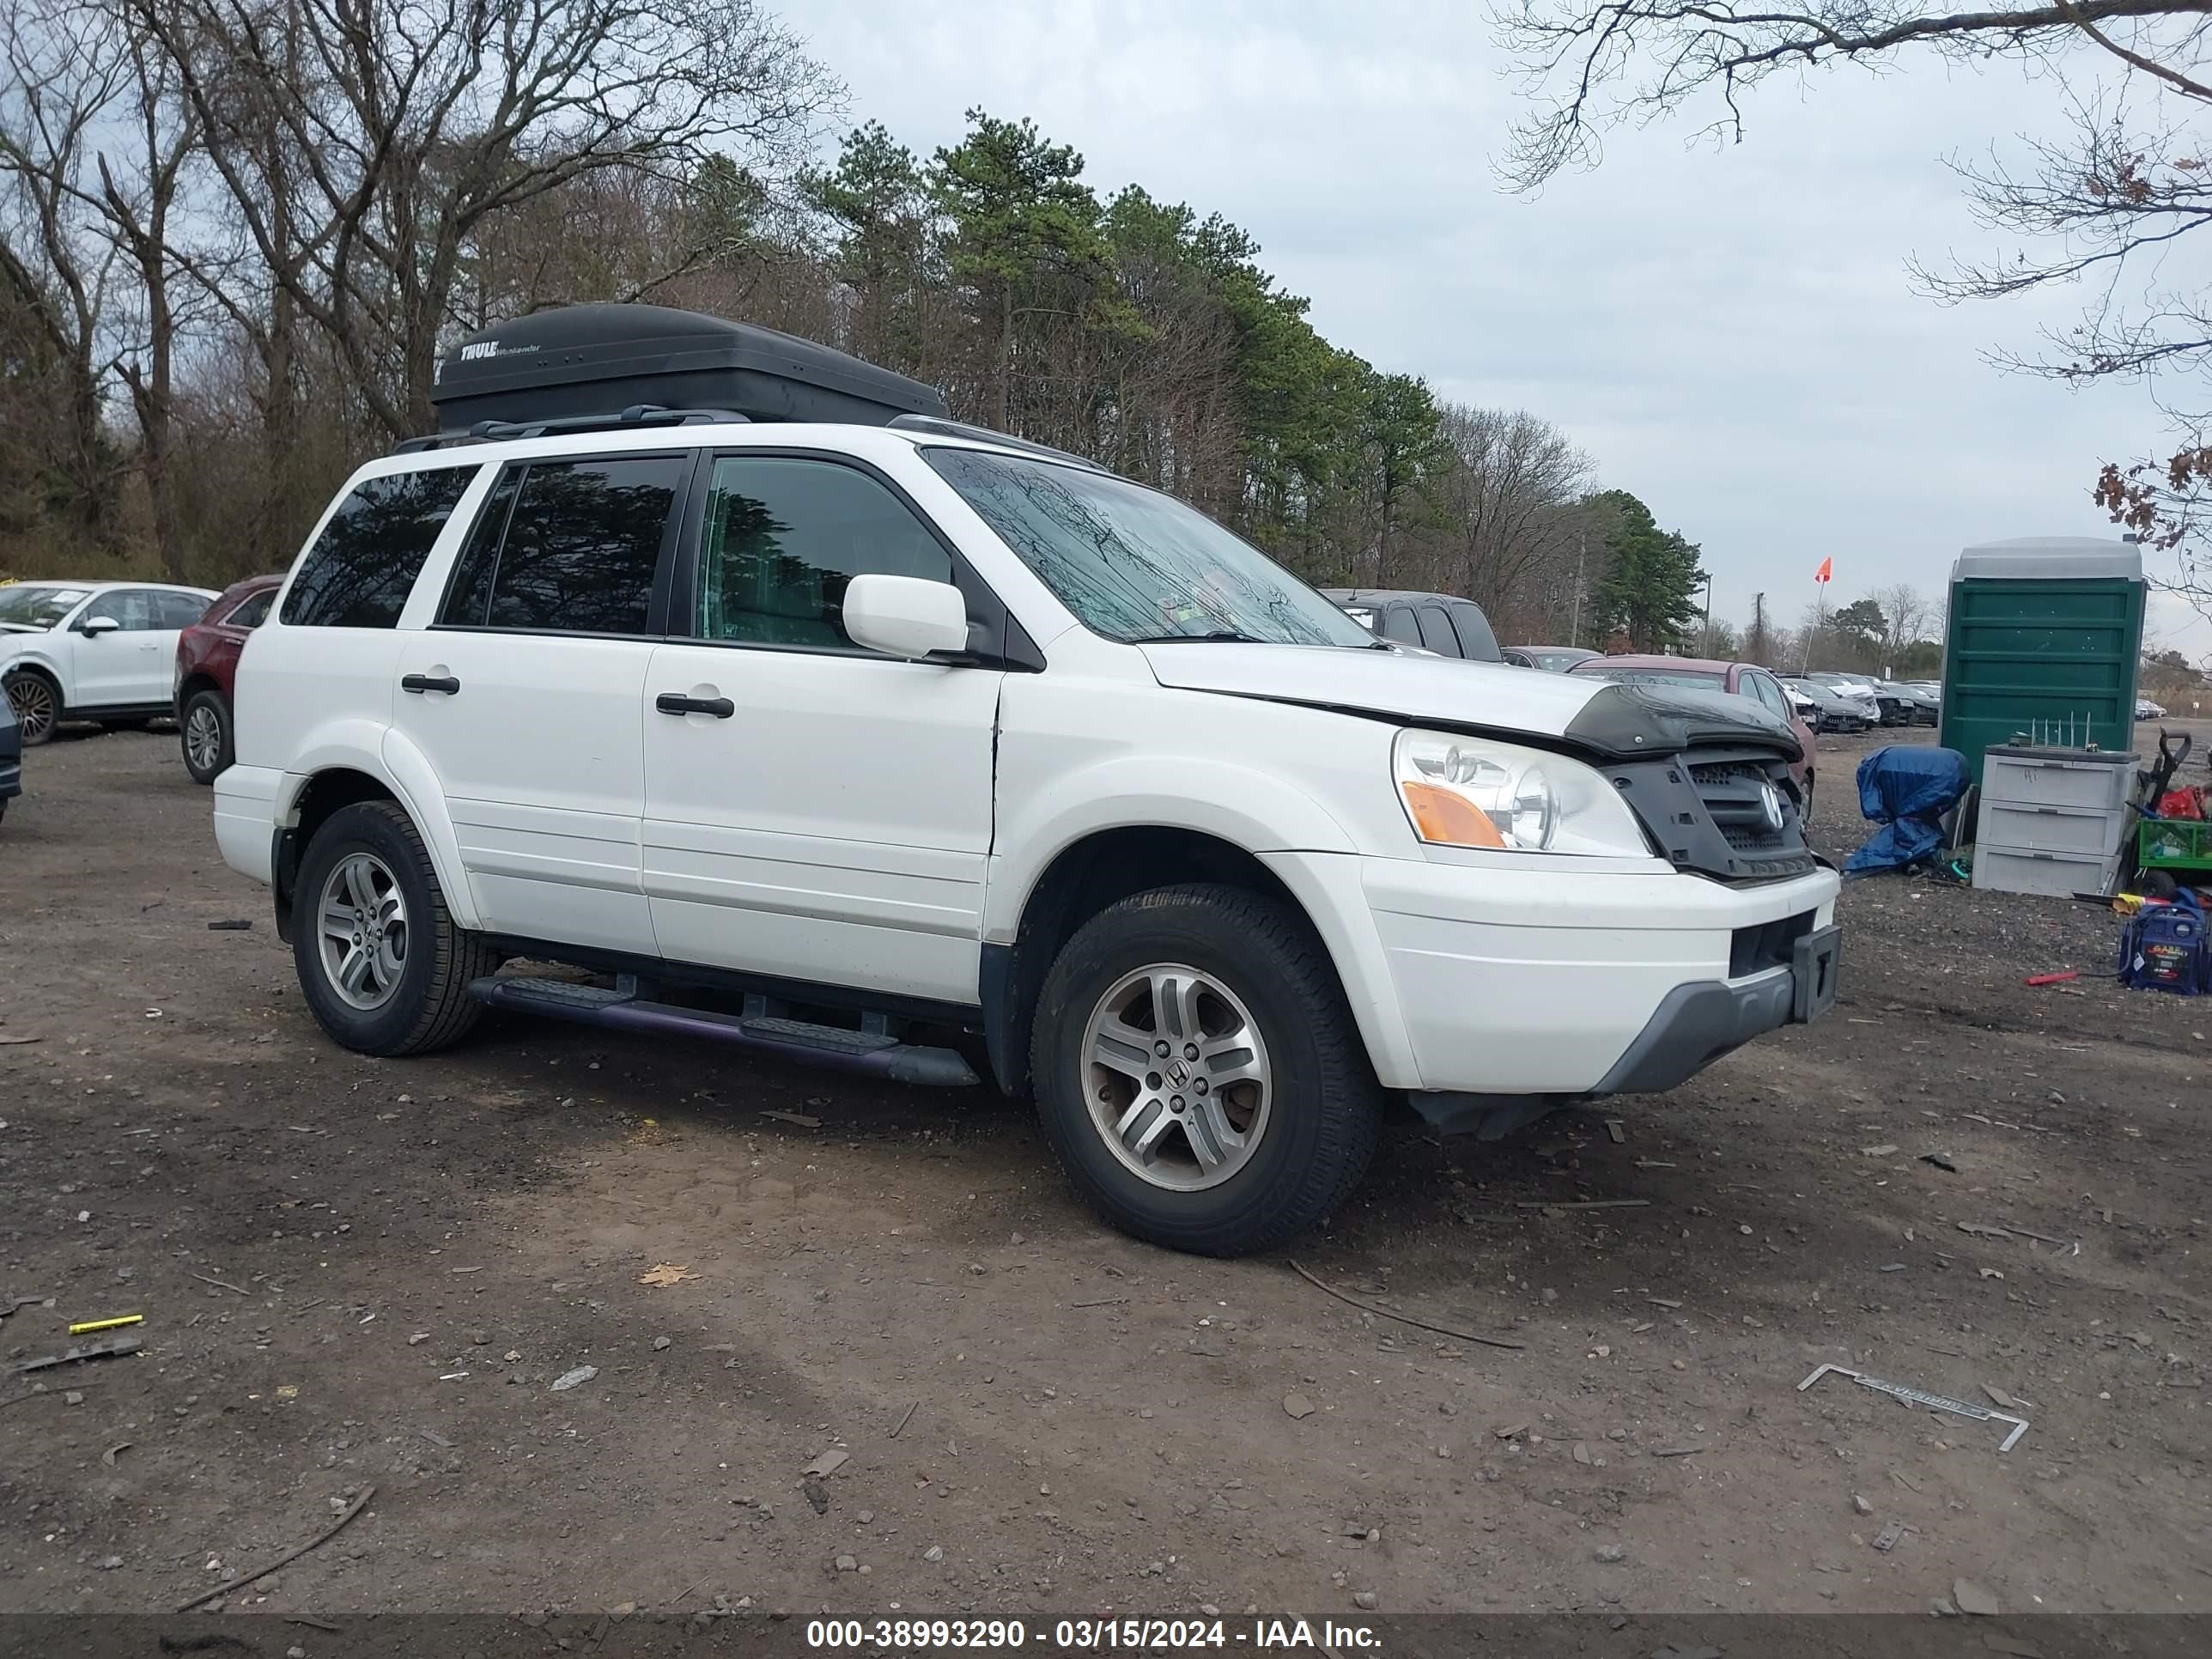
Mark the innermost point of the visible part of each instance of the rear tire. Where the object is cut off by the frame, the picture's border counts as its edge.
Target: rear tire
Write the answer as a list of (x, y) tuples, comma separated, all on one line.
[(37, 704), (1290, 1134), (383, 967), (204, 735)]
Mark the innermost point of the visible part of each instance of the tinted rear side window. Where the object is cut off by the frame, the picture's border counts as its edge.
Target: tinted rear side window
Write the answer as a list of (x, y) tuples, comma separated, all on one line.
[(583, 541), (1437, 631), (363, 566), (1398, 624), (1476, 641), (468, 599), (180, 610)]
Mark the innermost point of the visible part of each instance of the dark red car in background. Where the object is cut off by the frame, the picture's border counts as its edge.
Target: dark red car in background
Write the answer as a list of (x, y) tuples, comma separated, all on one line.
[(207, 663), (1744, 679)]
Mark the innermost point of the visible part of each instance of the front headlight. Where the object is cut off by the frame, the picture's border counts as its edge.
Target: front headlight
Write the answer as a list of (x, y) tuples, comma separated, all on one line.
[(1476, 792)]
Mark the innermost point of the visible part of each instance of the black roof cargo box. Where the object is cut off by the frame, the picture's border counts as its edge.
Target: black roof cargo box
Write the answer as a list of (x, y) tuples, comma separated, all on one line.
[(600, 359)]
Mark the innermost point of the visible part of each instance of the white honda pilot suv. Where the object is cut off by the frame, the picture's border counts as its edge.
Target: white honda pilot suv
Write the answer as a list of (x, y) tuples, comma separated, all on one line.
[(718, 666)]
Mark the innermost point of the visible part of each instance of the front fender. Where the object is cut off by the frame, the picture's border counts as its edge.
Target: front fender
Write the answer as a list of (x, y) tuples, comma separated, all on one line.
[(1251, 809), (41, 657)]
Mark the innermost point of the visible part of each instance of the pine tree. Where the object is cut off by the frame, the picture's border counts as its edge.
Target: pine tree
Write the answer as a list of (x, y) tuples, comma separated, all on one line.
[(1651, 583)]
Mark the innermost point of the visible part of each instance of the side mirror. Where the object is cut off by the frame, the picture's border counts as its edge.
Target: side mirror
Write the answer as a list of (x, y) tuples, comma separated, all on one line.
[(905, 616), (93, 627)]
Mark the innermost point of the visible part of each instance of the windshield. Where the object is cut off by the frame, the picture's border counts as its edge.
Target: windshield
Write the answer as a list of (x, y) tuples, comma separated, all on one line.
[(1133, 564), (27, 606), (1651, 676)]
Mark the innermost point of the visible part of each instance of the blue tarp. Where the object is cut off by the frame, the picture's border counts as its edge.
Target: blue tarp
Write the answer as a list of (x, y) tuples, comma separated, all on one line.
[(1906, 789)]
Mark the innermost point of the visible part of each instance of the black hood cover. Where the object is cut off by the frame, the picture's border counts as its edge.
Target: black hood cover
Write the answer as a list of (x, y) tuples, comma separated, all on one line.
[(1628, 720)]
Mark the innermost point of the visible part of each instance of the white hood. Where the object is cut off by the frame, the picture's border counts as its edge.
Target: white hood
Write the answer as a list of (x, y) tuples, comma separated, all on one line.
[(1381, 683)]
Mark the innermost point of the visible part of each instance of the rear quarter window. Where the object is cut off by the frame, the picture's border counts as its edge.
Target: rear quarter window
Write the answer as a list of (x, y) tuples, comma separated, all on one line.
[(363, 566), (1477, 643), (1437, 631)]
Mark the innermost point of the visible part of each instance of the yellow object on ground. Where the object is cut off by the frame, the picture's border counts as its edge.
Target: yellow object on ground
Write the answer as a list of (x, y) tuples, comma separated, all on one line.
[(89, 1325)]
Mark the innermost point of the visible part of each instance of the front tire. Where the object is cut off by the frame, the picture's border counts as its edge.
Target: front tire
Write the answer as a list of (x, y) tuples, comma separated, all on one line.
[(37, 704), (384, 968), (205, 734), (1262, 1114)]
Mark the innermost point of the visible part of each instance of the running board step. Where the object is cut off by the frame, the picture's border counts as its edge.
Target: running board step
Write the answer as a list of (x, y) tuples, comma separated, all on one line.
[(792, 1039)]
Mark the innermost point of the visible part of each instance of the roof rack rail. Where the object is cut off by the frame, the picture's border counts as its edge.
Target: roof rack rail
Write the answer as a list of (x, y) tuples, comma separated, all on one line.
[(945, 428), (637, 415)]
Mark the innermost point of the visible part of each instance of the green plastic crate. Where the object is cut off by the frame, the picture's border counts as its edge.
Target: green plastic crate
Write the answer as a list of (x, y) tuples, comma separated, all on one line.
[(2173, 844)]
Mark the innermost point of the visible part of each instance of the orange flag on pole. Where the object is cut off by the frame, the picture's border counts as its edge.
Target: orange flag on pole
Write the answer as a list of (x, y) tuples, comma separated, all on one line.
[(1825, 571)]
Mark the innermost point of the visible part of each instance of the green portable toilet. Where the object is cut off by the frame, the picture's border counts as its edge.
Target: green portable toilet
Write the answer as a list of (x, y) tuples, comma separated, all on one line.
[(2045, 638)]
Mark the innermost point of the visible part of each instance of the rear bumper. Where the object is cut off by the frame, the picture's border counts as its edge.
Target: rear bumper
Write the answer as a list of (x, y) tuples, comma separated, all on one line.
[(11, 778), (245, 818)]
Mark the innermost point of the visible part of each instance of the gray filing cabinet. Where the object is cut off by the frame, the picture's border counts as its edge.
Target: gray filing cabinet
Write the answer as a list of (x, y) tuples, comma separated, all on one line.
[(2052, 819)]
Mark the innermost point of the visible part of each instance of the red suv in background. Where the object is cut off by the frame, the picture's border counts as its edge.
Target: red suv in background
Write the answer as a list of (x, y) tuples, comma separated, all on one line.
[(207, 663)]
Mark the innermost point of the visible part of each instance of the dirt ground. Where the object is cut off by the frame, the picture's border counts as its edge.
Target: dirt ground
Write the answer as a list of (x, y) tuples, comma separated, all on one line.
[(358, 1273)]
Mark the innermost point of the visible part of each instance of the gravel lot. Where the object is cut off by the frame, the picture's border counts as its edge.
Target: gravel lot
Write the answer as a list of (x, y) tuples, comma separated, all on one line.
[(357, 1271)]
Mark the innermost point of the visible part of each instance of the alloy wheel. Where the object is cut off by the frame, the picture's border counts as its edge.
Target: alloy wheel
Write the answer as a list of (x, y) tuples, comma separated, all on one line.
[(204, 736), (1177, 1077), (363, 917), (33, 701)]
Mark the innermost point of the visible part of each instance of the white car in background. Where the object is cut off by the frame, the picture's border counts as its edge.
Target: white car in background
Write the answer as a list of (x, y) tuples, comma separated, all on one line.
[(92, 651)]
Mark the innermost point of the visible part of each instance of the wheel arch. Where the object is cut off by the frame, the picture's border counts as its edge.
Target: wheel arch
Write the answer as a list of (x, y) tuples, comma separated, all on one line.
[(341, 777), (45, 670), (36, 668), (193, 683), (1099, 868)]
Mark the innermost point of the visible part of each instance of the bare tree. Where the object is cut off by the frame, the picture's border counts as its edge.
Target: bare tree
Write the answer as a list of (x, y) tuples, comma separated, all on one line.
[(2133, 179), (141, 181), (1760, 643), (1638, 60), (1507, 497), (56, 266), (1906, 615), (403, 125)]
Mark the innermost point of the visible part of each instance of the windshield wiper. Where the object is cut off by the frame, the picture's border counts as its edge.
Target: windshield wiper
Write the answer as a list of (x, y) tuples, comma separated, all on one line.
[(1218, 636)]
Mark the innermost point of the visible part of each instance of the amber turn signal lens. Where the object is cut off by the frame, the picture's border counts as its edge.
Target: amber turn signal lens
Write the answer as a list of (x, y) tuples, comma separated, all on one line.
[(1443, 816)]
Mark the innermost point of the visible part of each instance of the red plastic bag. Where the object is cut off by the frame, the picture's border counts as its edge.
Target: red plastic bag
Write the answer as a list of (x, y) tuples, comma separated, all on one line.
[(2181, 804)]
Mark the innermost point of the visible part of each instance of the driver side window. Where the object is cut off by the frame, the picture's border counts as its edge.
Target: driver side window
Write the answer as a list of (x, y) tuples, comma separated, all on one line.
[(784, 535)]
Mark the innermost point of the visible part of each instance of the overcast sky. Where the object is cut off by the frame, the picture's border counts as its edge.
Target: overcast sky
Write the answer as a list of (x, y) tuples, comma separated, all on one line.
[(1732, 334)]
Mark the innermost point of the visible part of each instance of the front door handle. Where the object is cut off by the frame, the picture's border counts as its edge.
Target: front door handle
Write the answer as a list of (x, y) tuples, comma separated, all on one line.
[(675, 702), (422, 682)]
